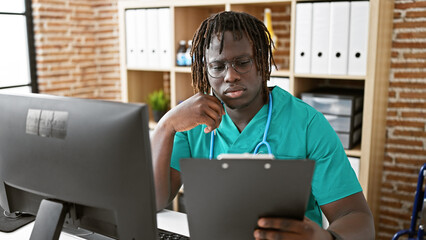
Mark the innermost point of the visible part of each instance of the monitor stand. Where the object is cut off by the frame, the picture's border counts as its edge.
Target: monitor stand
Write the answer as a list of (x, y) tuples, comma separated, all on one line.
[(9, 222), (49, 220)]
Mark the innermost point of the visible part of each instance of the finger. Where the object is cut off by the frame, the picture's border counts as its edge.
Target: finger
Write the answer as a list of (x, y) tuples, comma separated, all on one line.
[(204, 109), (210, 125), (274, 234), (216, 104), (212, 120), (282, 224), (211, 115)]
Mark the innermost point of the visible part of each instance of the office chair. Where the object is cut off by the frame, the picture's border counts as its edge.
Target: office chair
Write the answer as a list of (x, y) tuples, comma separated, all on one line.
[(419, 211)]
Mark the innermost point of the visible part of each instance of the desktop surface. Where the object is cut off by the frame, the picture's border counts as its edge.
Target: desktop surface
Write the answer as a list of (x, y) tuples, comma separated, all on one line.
[(171, 221)]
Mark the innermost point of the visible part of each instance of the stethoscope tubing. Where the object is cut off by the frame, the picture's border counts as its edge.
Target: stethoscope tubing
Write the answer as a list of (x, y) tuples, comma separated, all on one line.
[(265, 134)]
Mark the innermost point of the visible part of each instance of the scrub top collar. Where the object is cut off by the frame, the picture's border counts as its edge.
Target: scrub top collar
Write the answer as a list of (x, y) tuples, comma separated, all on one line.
[(246, 140)]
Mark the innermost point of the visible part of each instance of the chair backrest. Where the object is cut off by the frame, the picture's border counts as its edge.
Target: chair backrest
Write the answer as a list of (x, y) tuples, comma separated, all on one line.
[(419, 211)]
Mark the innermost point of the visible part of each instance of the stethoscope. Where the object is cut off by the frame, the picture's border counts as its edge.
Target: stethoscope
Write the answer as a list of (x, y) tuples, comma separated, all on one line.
[(265, 134)]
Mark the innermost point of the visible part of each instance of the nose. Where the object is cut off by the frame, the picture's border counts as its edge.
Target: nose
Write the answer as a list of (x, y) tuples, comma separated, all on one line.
[(231, 74)]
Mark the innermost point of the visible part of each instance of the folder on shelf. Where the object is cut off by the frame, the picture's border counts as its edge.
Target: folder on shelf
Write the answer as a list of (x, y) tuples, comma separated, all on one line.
[(164, 37), (131, 38), (339, 38), (358, 38), (153, 33), (320, 37), (354, 161), (282, 82), (302, 59), (141, 38)]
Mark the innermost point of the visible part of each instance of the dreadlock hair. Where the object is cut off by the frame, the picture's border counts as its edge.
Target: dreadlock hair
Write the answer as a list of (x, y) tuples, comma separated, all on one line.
[(238, 23)]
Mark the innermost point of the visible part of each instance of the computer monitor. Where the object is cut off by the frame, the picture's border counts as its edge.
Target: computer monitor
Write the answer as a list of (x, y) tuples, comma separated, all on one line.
[(87, 162)]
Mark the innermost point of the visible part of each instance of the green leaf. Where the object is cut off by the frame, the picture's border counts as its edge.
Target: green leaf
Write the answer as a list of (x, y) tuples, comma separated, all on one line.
[(158, 100)]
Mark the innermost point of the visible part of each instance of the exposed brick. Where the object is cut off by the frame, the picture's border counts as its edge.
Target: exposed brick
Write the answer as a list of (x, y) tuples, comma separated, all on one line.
[(391, 94), (52, 60), (416, 163), (80, 11), (399, 173), (415, 14), (109, 11), (52, 9), (400, 150), (410, 75), (412, 45), (51, 17), (405, 142), (417, 24), (411, 35), (421, 115), (420, 105), (80, 4), (407, 5), (393, 213), (410, 85), (419, 56), (50, 2), (389, 222), (413, 95), (394, 54), (397, 15), (397, 196), (409, 64), (103, 4), (392, 113), (410, 189), (68, 47), (387, 158), (410, 133)]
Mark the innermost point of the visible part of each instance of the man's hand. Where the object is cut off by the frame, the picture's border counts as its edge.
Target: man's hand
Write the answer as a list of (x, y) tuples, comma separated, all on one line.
[(196, 110), (349, 217), (289, 229)]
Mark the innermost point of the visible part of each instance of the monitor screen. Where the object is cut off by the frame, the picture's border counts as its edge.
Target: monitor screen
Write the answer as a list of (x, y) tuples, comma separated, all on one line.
[(80, 163)]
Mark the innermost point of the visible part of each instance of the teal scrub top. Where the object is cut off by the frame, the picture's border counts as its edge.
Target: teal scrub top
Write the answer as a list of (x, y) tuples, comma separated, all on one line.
[(297, 131)]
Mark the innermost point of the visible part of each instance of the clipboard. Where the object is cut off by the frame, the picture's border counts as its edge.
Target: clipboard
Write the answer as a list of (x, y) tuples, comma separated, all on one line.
[(224, 199)]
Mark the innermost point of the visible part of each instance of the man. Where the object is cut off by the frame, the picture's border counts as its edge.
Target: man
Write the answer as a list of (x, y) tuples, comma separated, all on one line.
[(232, 55)]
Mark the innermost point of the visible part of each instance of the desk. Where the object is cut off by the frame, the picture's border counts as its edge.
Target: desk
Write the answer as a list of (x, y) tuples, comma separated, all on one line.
[(168, 220)]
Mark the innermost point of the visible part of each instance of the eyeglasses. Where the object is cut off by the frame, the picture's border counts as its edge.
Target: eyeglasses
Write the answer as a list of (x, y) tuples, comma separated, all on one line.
[(218, 69)]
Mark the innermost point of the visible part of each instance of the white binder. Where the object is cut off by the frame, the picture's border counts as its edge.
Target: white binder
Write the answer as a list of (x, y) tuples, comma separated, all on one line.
[(358, 38), (131, 38), (302, 61), (354, 161), (320, 37), (141, 38), (164, 38), (339, 38), (153, 33), (281, 82)]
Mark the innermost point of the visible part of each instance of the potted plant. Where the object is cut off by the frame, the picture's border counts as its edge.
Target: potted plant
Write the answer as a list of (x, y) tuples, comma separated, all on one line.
[(159, 103)]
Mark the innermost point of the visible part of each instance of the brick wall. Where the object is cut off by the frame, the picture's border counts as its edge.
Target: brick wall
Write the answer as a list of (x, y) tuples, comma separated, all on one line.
[(281, 25), (77, 55), (405, 147), (77, 48)]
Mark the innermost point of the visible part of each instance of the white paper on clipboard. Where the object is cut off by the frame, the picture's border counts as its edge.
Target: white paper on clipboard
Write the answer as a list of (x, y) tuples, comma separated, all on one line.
[(225, 156)]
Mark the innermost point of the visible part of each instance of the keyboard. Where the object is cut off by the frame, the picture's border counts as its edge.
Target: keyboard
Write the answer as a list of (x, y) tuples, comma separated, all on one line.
[(82, 233), (166, 235)]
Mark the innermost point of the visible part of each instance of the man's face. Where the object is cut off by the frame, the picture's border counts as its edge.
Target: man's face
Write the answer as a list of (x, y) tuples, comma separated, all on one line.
[(237, 89)]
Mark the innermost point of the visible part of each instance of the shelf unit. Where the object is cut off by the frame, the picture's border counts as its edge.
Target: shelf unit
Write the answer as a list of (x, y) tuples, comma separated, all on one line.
[(186, 15)]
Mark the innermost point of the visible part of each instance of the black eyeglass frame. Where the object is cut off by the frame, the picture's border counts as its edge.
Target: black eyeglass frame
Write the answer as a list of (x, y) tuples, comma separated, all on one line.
[(226, 63)]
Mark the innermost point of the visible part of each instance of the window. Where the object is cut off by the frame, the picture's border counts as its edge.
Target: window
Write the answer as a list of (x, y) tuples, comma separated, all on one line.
[(17, 52)]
